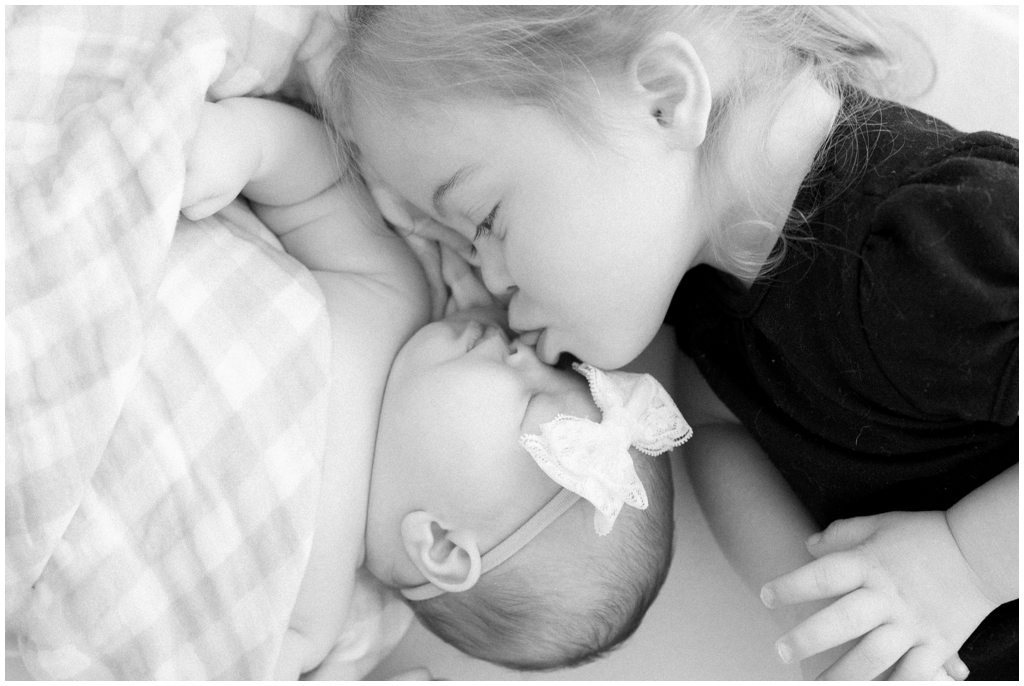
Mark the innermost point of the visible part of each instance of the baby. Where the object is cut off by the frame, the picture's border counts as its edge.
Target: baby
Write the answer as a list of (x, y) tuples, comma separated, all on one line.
[(486, 485)]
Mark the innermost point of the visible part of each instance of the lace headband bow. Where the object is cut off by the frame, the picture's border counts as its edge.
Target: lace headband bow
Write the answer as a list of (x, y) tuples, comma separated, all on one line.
[(591, 459)]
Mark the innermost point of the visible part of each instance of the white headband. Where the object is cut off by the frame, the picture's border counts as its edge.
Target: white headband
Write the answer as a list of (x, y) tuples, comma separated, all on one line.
[(592, 460), (510, 546)]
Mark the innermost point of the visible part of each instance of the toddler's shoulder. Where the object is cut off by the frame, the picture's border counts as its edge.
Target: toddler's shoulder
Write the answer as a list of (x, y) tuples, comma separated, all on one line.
[(955, 202), (963, 163), (936, 193), (909, 148), (938, 286)]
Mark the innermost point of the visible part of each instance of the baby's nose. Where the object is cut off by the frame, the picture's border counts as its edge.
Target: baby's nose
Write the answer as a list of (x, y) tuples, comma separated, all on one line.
[(523, 350)]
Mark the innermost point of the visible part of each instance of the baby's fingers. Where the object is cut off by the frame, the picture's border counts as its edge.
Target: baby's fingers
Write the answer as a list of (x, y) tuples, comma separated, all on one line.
[(435, 231), (850, 617), (429, 255), (828, 577), (466, 289), (871, 657)]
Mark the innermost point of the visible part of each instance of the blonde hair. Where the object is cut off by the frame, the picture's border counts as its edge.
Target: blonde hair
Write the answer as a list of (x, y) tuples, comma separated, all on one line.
[(555, 57)]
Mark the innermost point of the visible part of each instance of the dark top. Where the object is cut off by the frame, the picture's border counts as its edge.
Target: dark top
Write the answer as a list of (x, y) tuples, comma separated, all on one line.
[(878, 364)]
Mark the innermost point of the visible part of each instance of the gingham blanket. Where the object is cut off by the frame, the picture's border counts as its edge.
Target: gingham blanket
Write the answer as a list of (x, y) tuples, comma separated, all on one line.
[(165, 380)]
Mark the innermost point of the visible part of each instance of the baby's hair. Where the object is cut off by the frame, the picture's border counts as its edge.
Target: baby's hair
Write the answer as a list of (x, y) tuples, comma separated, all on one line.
[(543, 611), (557, 57)]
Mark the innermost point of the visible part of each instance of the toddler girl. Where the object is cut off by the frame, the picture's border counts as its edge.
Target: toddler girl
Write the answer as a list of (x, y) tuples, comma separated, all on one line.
[(485, 484), (850, 265)]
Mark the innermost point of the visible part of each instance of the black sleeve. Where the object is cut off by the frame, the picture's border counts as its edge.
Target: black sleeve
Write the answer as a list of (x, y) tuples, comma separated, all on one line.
[(939, 285)]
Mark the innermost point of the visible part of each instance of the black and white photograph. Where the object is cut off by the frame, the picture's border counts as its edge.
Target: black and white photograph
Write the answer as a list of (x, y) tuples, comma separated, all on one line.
[(512, 342)]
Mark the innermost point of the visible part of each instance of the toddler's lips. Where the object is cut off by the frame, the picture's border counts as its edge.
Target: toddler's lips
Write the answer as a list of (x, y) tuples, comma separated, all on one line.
[(543, 353), (530, 338), (537, 339)]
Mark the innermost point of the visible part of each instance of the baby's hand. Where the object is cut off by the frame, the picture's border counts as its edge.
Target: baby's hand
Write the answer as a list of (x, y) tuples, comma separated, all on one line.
[(903, 588), (222, 162), (464, 284), (441, 251)]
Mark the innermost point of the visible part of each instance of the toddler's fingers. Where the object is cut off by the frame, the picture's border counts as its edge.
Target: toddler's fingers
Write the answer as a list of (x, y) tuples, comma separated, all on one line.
[(826, 577), (850, 617), (920, 663), (871, 657), (842, 534), (956, 668)]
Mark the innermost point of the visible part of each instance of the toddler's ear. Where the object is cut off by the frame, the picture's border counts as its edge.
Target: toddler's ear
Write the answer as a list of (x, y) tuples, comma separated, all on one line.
[(448, 559), (671, 76)]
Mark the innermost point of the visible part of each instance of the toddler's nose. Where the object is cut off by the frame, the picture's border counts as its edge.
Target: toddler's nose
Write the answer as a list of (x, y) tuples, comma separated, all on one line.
[(497, 280)]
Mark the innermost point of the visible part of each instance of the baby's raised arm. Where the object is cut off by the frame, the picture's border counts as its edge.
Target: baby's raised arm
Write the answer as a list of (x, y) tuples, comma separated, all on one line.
[(284, 161)]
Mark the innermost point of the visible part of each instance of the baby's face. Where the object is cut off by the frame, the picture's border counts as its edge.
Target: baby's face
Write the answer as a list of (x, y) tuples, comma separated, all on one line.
[(459, 396), (590, 239)]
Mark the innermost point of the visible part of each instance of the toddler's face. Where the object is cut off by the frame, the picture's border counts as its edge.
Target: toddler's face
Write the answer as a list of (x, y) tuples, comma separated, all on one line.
[(590, 239), (458, 398)]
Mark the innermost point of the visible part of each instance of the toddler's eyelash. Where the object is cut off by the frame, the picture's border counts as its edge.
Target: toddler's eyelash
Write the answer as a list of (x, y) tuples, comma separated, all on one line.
[(484, 228)]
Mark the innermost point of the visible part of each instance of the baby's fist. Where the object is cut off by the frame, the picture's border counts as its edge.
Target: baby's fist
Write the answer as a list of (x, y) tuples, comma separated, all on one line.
[(222, 161)]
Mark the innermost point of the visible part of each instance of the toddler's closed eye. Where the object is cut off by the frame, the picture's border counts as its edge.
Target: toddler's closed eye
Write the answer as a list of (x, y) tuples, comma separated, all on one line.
[(485, 227)]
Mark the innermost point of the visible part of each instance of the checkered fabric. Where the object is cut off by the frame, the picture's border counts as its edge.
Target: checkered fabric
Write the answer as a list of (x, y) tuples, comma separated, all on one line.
[(166, 381)]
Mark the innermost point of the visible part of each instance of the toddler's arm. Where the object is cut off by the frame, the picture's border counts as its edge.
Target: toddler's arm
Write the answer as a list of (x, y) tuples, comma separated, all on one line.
[(283, 161), (756, 518)]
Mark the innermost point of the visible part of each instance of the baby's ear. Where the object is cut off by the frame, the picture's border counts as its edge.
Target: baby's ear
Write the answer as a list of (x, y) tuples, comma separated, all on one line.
[(671, 77), (448, 559)]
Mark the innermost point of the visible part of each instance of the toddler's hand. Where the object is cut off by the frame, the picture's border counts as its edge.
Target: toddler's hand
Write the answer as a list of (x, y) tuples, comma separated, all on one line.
[(223, 160), (903, 588)]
